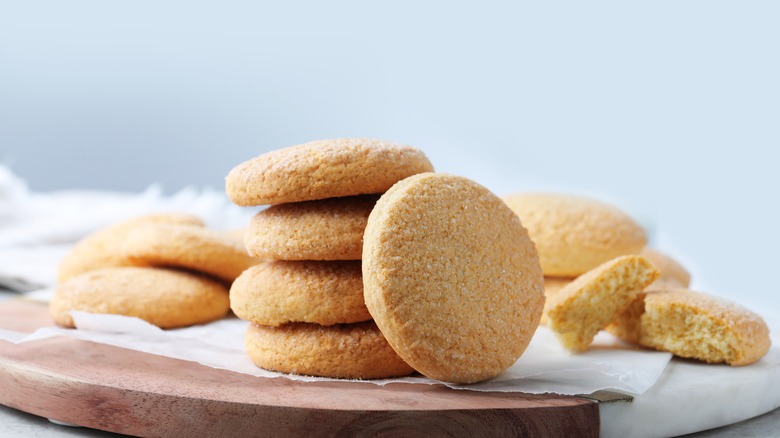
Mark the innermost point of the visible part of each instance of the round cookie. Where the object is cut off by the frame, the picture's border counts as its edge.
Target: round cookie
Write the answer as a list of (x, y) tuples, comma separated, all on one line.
[(323, 169), (165, 298), (328, 229), (277, 292), (673, 274), (103, 249), (194, 248), (347, 351), (574, 234), (451, 278)]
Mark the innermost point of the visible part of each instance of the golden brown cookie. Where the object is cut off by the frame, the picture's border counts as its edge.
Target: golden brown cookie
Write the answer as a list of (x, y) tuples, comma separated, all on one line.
[(278, 292), (574, 234), (103, 249), (699, 326), (328, 229), (183, 246), (163, 297), (323, 169), (451, 278), (345, 351), (593, 300), (673, 274)]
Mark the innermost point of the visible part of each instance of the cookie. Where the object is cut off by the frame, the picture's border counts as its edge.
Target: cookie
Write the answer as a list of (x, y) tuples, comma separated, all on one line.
[(163, 297), (323, 169), (277, 292), (328, 229), (451, 278), (673, 274), (574, 234), (103, 249), (346, 351), (698, 326), (593, 300), (182, 246)]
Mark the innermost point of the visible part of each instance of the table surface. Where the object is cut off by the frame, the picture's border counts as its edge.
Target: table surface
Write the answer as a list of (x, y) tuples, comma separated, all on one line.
[(17, 423)]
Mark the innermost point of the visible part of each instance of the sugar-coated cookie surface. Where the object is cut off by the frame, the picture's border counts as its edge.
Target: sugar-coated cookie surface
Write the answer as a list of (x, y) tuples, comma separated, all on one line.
[(323, 169), (451, 278), (277, 292), (696, 325), (182, 246), (328, 229), (347, 351), (103, 249), (163, 297), (673, 274), (574, 234), (593, 300)]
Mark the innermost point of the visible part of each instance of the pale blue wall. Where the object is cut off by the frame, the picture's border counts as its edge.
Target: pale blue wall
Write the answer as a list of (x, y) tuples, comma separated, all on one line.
[(670, 109)]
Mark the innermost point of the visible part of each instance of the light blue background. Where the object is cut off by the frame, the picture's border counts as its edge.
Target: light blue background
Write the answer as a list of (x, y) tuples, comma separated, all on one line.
[(669, 109)]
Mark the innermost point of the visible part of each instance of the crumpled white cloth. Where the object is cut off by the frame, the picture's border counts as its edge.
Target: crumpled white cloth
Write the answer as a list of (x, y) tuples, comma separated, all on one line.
[(36, 229)]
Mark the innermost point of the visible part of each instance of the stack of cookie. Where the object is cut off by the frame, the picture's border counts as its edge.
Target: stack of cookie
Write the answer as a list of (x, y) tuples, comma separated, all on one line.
[(167, 269), (306, 301)]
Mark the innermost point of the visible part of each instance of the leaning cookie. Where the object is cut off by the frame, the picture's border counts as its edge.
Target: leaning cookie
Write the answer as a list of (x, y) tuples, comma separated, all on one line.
[(194, 248), (347, 351), (328, 229), (451, 278), (103, 249), (695, 325), (591, 302), (165, 298), (323, 169), (575, 234), (277, 292)]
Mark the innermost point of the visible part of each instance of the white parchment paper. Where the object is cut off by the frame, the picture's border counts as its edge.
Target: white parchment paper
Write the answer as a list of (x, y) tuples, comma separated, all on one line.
[(545, 367)]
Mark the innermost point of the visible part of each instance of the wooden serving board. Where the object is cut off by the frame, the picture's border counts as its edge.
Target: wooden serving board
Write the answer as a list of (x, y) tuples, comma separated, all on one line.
[(135, 393)]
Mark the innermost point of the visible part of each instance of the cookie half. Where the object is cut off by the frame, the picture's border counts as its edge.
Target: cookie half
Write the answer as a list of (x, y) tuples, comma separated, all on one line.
[(194, 248), (575, 234), (328, 229), (323, 169), (346, 351), (163, 297), (451, 278), (278, 292), (696, 325), (103, 249), (593, 300)]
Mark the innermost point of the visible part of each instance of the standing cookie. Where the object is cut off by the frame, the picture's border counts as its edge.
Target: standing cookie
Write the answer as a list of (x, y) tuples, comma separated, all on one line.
[(593, 300), (323, 169), (451, 278), (574, 234)]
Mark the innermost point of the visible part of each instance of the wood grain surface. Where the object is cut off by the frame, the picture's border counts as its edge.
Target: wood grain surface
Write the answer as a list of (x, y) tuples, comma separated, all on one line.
[(135, 393)]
